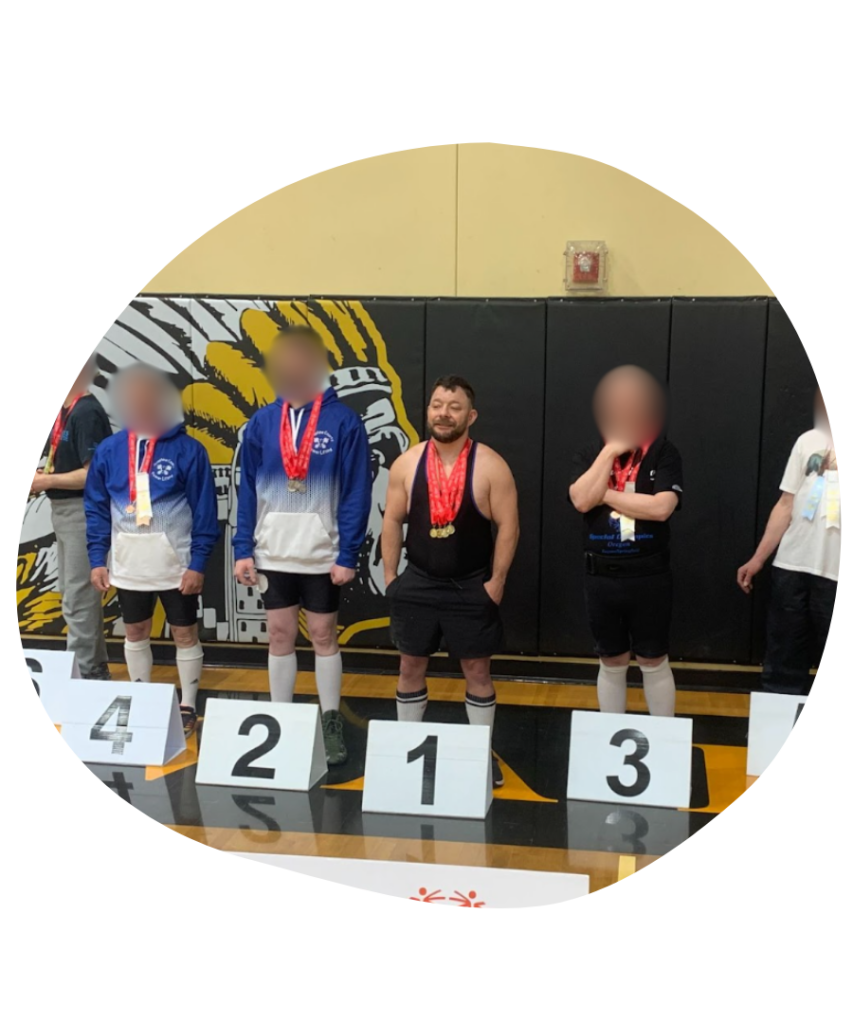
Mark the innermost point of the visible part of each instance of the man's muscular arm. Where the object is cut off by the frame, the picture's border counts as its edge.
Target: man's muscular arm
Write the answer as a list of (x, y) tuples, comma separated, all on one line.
[(396, 510), (503, 501)]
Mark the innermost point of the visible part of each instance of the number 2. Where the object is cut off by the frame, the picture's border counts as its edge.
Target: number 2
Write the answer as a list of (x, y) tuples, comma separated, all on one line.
[(428, 750), (119, 736), (635, 760), (244, 768)]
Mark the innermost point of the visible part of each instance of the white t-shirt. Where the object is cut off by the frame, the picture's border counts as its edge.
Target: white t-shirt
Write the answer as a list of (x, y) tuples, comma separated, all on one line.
[(810, 545)]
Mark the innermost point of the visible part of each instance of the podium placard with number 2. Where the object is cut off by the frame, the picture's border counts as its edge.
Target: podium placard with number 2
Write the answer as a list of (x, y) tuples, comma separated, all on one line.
[(123, 723), (428, 769), (630, 759)]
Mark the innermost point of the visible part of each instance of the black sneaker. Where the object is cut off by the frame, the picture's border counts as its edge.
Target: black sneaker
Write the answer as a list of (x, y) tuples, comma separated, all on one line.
[(333, 737), (497, 774), (189, 720), (102, 673)]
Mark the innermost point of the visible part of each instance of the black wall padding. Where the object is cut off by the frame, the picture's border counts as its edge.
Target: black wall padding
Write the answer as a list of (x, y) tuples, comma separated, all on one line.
[(500, 347), (789, 386), (402, 325), (584, 340), (716, 382)]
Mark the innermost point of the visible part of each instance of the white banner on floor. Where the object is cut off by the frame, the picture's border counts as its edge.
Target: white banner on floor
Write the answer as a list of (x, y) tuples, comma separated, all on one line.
[(443, 885)]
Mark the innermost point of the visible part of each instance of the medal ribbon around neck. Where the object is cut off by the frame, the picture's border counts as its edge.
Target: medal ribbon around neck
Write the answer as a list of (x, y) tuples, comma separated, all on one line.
[(56, 433), (132, 451), (445, 492), (623, 475), (295, 460)]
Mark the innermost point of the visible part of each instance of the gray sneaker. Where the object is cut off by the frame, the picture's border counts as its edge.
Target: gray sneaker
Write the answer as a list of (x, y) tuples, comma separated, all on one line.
[(333, 737), (102, 672)]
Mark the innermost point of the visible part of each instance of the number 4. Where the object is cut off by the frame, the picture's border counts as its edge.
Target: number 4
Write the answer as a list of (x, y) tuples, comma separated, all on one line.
[(119, 736)]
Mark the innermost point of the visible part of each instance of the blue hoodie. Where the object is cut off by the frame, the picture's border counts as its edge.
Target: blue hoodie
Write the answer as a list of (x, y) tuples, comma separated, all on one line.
[(288, 531), (184, 527)]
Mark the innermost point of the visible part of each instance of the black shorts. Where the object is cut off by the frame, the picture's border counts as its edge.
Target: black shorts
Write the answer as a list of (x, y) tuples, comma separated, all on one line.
[(425, 611), (315, 592), (138, 606), (630, 614)]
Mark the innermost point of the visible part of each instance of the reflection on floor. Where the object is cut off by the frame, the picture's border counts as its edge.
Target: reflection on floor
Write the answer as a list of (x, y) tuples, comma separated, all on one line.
[(531, 825)]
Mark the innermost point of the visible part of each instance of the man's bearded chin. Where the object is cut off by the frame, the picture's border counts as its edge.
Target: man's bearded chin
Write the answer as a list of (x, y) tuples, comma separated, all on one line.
[(446, 433)]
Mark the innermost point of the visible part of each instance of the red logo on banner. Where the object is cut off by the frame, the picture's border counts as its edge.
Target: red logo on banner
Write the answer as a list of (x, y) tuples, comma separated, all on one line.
[(424, 896)]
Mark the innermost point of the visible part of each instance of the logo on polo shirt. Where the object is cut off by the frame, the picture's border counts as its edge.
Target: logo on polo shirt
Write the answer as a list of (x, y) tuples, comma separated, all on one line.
[(163, 470), (323, 443)]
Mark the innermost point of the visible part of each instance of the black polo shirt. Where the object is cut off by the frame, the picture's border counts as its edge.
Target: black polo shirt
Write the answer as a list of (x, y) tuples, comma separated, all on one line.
[(85, 428), (659, 471)]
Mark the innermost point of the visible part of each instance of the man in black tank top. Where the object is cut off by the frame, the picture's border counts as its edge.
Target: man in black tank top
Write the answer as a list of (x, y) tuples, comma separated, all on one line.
[(459, 500)]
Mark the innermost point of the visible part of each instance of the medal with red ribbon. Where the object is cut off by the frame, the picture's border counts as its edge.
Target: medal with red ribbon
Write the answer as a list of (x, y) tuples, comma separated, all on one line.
[(295, 459), (132, 453), (445, 491), (56, 433)]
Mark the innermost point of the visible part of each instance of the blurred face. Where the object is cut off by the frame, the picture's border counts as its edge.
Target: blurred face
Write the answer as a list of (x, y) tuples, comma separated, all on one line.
[(629, 406), (449, 415), (296, 369), (146, 402)]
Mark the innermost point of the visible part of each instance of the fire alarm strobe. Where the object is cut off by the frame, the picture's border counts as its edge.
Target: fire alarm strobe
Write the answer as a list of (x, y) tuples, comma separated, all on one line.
[(586, 266)]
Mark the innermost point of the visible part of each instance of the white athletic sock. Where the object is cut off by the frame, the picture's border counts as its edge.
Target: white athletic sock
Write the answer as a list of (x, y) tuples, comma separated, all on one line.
[(282, 672), (329, 672), (412, 706), (613, 688), (189, 661), (481, 711), (659, 687), (140, 660)]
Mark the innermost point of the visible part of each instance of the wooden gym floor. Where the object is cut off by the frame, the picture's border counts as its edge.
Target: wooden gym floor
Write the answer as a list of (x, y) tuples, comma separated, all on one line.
[(530, 826)]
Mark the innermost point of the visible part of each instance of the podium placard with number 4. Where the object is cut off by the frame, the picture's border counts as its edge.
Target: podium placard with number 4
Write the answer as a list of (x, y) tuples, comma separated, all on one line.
[(51, 673), (427, 768), (261, 745), (772, 716), (123, 723), (630, 759)]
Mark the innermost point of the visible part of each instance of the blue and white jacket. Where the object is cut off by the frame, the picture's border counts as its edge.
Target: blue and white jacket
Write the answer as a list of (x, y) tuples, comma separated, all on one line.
[(291, 531), (184, 526)]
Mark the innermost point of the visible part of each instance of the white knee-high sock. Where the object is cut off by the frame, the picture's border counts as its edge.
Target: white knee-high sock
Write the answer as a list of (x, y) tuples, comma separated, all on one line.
[(189, 661), (481, 711), (140, 660), (659, 687), (613, 688), (411, 707), (329, 672), (282, 672)]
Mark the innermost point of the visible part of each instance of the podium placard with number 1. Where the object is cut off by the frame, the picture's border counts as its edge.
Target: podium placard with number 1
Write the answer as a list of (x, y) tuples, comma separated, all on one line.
[(123, 723), (428, 769), (630, 759)]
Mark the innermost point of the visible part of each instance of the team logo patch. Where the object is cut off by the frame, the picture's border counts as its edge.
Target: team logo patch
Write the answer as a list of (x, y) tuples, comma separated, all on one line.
[(323, 443), (163, 470)]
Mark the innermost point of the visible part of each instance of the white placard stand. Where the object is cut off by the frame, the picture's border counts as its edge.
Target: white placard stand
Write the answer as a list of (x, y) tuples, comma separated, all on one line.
[(261, 745), (51, 673), (630, 759), (428, 768), (123, 723), (772, 716)]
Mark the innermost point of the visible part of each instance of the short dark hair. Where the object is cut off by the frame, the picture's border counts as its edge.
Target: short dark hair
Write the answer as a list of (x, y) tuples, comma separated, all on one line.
[(453, 382), (302, 334)]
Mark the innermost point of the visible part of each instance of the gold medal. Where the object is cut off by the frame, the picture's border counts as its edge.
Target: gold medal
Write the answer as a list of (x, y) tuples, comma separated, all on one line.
[(451, 529), (296, 486), (433, 533), (130, 509)]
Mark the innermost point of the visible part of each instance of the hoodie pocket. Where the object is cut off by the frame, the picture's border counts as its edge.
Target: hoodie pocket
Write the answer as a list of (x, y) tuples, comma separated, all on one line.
[(145, 556), (295, 537)]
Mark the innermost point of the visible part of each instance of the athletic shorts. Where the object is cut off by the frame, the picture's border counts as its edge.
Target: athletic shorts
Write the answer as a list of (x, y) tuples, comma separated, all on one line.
[(630, 614), (138, 606), (428, 613), (315, 592)]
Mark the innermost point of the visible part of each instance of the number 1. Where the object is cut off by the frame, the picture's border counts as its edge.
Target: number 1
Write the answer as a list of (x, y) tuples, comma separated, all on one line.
[(428, 750)]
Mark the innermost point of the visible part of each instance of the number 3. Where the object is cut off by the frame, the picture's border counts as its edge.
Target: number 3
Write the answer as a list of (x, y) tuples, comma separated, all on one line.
[(635, 760)]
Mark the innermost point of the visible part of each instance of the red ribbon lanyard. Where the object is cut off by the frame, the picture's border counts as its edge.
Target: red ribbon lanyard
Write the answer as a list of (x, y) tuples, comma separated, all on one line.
[(628, 474), (59, 426), (445, 492), (131, 461), (296, 460)]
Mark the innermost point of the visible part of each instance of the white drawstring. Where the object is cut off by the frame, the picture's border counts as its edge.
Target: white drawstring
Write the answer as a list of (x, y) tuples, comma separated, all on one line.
[(295, 423)]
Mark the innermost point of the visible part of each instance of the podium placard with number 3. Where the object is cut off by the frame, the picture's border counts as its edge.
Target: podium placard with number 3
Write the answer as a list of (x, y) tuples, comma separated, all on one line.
[(630, 759), (428, 769), (123, 723)]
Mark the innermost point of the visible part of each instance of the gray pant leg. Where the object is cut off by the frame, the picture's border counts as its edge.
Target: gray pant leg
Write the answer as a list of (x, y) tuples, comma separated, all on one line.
[(81, 603)]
